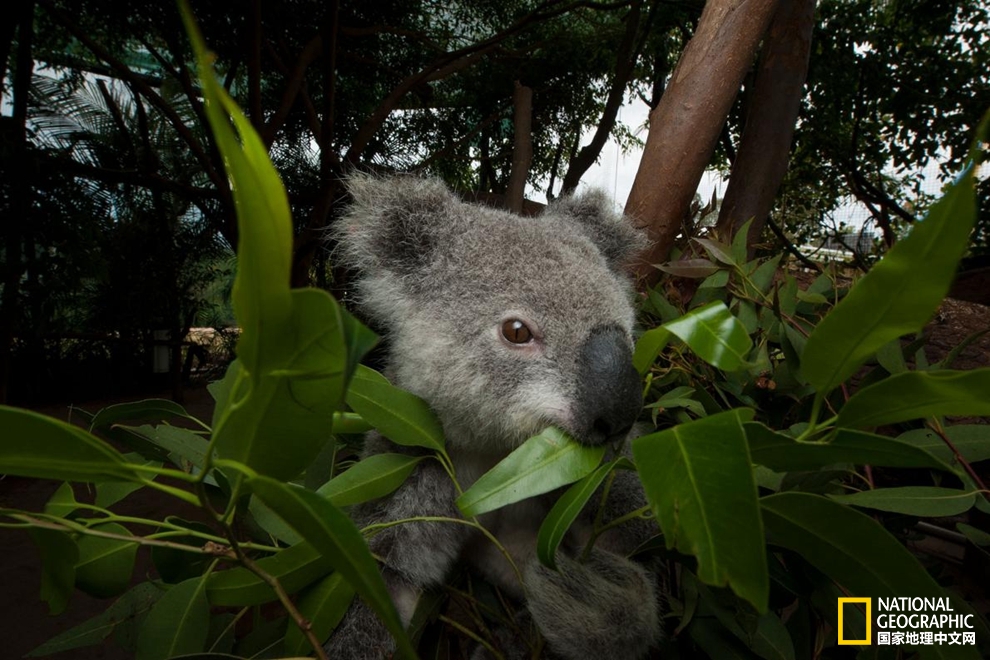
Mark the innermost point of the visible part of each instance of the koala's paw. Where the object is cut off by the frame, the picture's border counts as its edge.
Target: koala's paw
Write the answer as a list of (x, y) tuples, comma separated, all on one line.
[(360, 636), (604, 608)]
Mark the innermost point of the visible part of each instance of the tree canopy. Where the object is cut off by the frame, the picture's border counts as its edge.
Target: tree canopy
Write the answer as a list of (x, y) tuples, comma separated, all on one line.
[(102, 112)]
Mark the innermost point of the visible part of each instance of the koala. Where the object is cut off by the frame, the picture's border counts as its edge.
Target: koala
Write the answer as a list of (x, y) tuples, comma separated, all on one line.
[(504, 325)]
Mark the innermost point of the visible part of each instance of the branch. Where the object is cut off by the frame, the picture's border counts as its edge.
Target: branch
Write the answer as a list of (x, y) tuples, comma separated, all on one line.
[(454, 61), (292, 87), (625, 62)]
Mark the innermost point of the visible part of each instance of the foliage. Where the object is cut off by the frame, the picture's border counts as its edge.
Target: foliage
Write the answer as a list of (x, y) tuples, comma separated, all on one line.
[(754, 484), (893, 87)]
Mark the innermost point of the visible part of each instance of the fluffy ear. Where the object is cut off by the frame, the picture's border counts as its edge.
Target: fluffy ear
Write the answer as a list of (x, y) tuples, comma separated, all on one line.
[(392, 223), (613, 233)]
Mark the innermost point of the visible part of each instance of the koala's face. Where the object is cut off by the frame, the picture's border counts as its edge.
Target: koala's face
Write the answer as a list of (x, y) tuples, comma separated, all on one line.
[(505, 325)]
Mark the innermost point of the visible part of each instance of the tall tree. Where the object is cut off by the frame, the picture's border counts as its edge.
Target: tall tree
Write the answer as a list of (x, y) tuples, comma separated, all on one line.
[(686, 124), (771, 112)]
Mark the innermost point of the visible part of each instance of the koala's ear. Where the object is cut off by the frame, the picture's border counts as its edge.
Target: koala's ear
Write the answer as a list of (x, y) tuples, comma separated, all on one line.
[(393, 223), (613, 232)]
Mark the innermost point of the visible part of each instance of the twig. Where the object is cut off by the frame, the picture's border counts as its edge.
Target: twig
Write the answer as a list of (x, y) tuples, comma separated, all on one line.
[(935, 426), (302, 622)]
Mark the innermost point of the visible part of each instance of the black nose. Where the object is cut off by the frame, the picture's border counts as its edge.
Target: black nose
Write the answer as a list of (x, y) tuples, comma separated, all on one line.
[(609, 395)]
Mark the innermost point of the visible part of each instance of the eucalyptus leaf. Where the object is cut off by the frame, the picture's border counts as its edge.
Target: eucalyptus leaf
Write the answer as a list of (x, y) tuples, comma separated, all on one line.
[(59, 555), (972, 441), (782, 453), (853, 550), (105, 565), (916, 395), (712, 332), (324, 605), (177, 624), (717, 250), (294, 568), (400, 416), (698, 479), (134, 603), (368, 479), (922, 501), (541, 464), (45, 448), (898, 295), (334, 535), (565, 511), (146, 410), (691, 268), (715, 335), (62, 502)]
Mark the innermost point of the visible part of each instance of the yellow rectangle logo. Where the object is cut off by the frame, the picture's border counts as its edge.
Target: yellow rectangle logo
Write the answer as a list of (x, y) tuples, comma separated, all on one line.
[(869, 619)]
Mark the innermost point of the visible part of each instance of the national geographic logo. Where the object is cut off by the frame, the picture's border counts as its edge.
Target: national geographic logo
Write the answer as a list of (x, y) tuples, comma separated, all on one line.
[(905, 621)]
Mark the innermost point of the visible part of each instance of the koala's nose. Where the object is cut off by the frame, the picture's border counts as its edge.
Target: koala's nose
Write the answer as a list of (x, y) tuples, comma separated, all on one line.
[(609, 394)]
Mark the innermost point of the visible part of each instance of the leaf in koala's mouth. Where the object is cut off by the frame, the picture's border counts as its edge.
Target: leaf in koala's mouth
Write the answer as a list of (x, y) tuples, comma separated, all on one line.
[(544, 462)]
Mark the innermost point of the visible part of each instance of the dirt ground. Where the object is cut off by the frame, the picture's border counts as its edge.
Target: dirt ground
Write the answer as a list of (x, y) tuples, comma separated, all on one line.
[(24, 619)]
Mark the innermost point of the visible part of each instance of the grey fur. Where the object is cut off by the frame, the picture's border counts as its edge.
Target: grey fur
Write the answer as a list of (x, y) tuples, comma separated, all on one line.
[(440, 276)]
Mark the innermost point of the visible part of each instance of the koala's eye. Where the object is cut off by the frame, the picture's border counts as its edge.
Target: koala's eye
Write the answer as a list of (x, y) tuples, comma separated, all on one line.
[(516, 332)]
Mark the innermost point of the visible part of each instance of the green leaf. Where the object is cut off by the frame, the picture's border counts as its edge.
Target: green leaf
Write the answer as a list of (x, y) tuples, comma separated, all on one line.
[(58, 567), (899, 294), (923, 501), (853, 550), (294, 568), (543, 463), (740, 243), (131, 605), (261, 298), (785, 454), (718, 251), (45, 448), (692, 268), (891, 357), (105, 565), (400, 416), (976, 536), (371, 478), (648, 347), (662, 306), (110, 492), (177, 624), (277, 409), (324, 605), (174, 565), (270, 521), (276, 423), (62, 502), (972, 441), (698, 479), (714, 334), (918, 394), (763, 276), (146, 410), (184, 447), (334, 535), (565, 511)]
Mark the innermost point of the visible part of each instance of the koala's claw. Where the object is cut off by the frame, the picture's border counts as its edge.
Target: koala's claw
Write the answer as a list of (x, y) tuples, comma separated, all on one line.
[(603, 608)]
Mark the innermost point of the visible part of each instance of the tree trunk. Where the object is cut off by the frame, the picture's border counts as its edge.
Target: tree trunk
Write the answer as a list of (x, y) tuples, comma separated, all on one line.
[(766, 139), (522, 149), (685, 125)]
